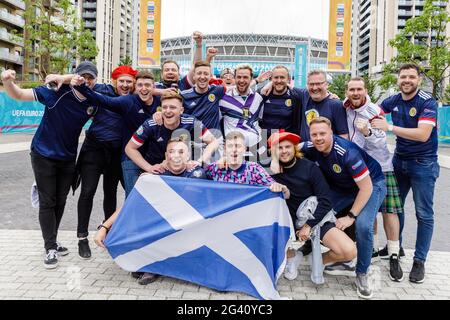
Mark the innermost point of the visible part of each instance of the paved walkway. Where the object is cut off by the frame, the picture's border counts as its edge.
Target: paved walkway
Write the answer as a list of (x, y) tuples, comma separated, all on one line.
[(22, 276)]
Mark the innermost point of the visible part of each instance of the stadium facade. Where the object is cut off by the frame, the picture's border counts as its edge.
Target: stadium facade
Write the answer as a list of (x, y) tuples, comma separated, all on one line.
[(262, 52)]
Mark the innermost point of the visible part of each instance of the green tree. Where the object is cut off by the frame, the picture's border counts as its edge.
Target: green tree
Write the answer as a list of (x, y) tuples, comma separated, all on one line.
[(423, 41), (374, 90), (54, 36), (337, 86), (127, 61)]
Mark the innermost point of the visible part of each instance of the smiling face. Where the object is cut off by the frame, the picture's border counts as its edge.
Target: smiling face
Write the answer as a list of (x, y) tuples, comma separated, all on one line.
[(317, 87), (280, 80), (144, 88), (202, 76), (90, 80), (125, 84), (177, 156), (171, 112), (234, 152), (243, 79), (356, 93), (321, 136), (408, 81), (285, 151), (170, 72)]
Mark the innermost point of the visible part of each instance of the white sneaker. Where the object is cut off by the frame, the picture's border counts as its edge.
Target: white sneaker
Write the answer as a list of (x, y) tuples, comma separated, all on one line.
[(292, 264)]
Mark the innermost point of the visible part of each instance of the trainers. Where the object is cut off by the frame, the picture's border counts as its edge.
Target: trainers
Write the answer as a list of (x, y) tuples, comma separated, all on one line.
[(306, 248), (137, 275), (292, 264), (417, 273), (341, 269), (147, 278), (62, 251), (375, 255), (384, 254), (395, 270), (83, 249), (363, 286), (51, 259)]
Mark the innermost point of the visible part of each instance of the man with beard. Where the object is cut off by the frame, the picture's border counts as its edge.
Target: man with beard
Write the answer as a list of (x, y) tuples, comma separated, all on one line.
[(356, 180), (360, 110), (414, 117), (304, 179)]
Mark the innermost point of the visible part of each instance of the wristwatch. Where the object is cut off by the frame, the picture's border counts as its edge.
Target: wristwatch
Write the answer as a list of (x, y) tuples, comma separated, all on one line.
[(390, 128), (351, 215)]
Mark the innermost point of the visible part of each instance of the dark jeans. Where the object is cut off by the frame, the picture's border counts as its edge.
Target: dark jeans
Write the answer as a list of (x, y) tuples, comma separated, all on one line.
[(92, 164), (419, 175), (53, 179)]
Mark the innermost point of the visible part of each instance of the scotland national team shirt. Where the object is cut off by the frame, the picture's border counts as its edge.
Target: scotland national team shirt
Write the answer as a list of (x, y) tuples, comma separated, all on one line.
[(64, 116), (422, 108), (281, 111), (183, 84), (196, 173), (331, 109), (106, 125), (132, 109), (204, 106), (156, 137), (345, 165), (242, 114)]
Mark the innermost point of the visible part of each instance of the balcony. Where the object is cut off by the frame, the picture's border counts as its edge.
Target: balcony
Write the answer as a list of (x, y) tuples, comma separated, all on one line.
[(405, 3), (11, 19), (11, 58), (89, 5), (91, 15), (404, 13), (90, 25), (15, 3), (10, 38)]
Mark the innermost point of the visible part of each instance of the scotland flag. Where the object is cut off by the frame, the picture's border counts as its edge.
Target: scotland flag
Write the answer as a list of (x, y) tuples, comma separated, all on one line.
[(226, 236)]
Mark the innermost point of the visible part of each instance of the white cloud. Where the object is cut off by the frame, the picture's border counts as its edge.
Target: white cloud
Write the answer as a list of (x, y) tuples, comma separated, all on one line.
[(285, 17)]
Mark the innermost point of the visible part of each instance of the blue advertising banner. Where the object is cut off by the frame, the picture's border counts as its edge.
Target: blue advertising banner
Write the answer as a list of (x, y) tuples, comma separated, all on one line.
[(16, 116), (301, 65), (444, 125)]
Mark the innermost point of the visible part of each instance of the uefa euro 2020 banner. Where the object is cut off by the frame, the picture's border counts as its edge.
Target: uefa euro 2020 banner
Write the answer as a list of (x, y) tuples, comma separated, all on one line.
[(16, 116), (225, 236), (149, 54), (339, 38)]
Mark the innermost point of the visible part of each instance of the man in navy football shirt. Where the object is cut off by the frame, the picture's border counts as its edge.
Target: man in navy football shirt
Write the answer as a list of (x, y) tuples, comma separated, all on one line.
[(54, 149), (355, 179), (414, 117)]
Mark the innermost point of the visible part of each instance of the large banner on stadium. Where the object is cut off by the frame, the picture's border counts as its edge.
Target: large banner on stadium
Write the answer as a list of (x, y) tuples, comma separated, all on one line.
[(16, 116), (150, 33), (339, 38), (301, 65)]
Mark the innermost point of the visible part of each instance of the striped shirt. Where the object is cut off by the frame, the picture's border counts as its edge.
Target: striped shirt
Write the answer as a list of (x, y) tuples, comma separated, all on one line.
[(249, 173)]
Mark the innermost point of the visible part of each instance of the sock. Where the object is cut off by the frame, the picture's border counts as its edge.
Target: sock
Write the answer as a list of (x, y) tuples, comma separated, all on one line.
[(393, 247), (82, 238), (375, 242)]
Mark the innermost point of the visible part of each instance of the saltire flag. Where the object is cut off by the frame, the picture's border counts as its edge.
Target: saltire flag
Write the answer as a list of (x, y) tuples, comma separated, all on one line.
[(225, 236)]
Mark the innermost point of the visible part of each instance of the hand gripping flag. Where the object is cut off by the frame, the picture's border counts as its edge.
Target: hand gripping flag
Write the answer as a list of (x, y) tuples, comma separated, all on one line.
[(226, 236)]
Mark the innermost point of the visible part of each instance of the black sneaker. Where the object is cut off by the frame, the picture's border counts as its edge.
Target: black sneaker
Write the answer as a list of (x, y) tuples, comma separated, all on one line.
[(384, 254), (137, 275), (306, 248), (83, 249), (147, 278), (417, 273), (51, 259), (62, 251), (395, 270), (375, 255)]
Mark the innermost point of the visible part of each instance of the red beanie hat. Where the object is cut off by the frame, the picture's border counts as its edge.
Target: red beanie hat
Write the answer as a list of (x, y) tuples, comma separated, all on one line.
[(121, 70)]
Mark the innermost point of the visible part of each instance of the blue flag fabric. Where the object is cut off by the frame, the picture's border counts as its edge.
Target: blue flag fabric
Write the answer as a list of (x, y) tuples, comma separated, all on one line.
[(225, 236)]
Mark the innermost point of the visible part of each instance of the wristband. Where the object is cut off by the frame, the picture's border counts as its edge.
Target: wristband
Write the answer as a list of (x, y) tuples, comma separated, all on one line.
[(103, 226)]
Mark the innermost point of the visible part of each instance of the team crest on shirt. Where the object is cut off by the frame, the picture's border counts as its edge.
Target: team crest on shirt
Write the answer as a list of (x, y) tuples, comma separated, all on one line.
[(288, 103), (337, 168), (183, 137), (246, 113), (310, 115), (197, 173), (413, 112), (212, 97)]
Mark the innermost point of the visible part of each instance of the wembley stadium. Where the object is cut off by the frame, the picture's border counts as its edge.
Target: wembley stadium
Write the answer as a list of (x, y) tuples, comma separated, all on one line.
[(261, 51)]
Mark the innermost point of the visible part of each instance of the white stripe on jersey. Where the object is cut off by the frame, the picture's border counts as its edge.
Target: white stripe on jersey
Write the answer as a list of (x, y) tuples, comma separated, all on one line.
[(428, 122), (226, 105), (424, 95), (187, 120), (135, 141), (362, 177), (151, 123), (187, 91), (338, 147)]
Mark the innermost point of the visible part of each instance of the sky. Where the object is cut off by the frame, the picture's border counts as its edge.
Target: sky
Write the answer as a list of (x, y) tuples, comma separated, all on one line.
[(285, 17)]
